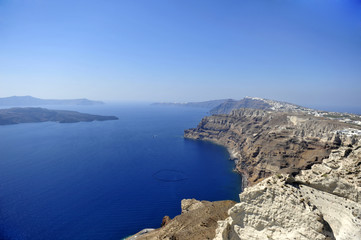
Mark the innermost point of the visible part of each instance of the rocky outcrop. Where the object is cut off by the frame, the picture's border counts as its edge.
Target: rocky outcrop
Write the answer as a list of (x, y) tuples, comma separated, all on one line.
[(197, 221), (265, 142), (273, 209), (335, 188), (321, 203), (165, 221)]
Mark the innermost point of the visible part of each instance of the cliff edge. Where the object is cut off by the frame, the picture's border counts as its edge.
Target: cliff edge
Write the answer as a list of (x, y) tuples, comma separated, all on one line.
[(198, 221), (321, 203), (265, 142), (302, 169)]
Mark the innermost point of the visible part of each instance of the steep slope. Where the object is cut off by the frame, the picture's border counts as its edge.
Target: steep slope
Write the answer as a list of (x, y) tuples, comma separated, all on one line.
[(321, 203), (303, 168), (267, 142)]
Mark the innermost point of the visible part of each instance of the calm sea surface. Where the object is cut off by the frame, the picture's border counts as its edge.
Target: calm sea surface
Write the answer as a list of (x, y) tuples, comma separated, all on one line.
[(106, 180)]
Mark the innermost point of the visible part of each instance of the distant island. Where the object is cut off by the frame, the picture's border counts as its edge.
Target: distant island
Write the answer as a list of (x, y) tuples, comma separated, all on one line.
[(33, 115), (204, 104), (25, 101), (225, 106)]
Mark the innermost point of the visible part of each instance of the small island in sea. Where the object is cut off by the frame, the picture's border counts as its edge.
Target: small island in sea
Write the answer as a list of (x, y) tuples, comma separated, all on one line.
[(33, 115)]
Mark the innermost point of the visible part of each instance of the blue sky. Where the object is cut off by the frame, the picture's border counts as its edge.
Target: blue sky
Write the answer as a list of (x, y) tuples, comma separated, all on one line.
[(301, 51)]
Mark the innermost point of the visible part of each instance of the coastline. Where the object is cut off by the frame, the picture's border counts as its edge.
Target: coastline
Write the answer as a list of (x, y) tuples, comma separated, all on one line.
[(271, 152), (199, 205), (233, 156), (116, 139)]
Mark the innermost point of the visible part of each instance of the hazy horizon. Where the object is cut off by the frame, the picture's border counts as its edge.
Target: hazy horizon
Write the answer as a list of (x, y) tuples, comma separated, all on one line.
[(302, 52), (325, 107)]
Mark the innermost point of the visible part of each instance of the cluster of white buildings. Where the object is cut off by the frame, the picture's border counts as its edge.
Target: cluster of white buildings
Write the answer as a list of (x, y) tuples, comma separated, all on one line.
[(350, 132), (283, 106)]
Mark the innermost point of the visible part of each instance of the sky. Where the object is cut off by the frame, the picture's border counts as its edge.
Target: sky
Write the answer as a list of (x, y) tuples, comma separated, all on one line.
[(301, 51)]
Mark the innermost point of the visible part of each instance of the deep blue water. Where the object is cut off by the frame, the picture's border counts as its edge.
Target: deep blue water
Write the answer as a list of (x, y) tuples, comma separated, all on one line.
[(106, 180)]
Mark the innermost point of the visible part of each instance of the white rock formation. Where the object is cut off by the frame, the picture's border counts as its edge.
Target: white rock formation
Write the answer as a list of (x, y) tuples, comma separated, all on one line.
[(190, 205), (321, 203), (273, 209), (335, 188)]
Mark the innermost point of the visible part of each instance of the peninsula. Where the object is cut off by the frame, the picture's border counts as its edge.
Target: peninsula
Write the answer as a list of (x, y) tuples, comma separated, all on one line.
[(33, 115), (301, 169), (205, 104)]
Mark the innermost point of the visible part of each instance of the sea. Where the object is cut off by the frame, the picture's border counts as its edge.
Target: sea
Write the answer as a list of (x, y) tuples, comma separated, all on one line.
[(107, 179)]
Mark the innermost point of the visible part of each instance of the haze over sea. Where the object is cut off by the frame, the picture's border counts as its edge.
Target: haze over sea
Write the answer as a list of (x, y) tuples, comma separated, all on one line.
[(106, 180)]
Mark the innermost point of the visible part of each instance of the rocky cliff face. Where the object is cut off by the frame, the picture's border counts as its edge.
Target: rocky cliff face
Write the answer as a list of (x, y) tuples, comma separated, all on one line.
[(304, 172), (321, 203), (265, 142)]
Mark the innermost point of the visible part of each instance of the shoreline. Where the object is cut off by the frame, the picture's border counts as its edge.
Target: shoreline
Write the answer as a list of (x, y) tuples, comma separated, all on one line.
[(233, 156)]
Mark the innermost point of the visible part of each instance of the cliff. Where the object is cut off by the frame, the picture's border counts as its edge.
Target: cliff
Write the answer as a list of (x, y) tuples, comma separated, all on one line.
[(265, 142), (321, 203), (303, 168)]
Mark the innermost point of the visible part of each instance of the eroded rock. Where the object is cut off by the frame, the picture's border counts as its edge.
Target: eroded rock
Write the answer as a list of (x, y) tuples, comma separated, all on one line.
[(320, 203), (270, 142), (273, 209)]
